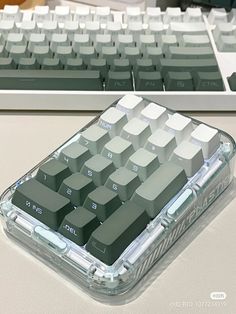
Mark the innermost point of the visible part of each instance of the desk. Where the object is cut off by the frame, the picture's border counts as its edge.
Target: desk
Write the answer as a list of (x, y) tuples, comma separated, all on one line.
[(205, 264)]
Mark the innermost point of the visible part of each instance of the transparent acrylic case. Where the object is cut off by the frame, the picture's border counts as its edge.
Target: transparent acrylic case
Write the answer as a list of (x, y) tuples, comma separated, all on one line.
[(95, 277)]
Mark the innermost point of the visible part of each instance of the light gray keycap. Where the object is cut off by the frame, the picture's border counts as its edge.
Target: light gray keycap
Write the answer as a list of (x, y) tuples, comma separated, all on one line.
[(157, 29), (7, 27), (83, 14), (190, 53), (71, 28), (118, 150), (17, 52), (226, 43), (179, 29), (207, 138), (7, 63), (145, 41), (167, 41), (113, 121), (62, 13), (172, 15), (37, 40), (49, 28), (188, 156), (102, 14), (28, 27), (124, 182), (28, 64), (14, 39), (98, 168), (41, 13), (102, 40), (143, 162), (41, 52), (136, 131), (180, 126), (192, 15), (87, 53), (131, 105), (161, 143), (155, 115), (64, 53), (114, 29), (124, 41), (74, 64), (109, 53), (135, 29), (94, 138), (74, 155), (80, 40), (152, 15), (195, 41), (51, 64), (58, 40), (133, 14), (92, 28), (217, 16), (153, 53), (225, 29), (12, 13), (132, 54), (160, 187)]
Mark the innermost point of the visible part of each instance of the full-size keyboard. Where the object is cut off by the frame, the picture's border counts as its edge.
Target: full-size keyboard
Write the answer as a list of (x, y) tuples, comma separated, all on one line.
[(107, 204), (67, 52)]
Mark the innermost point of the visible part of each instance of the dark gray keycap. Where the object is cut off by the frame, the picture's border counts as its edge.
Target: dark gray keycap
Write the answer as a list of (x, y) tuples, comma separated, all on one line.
[(98, 168), (50, 79), (78, 225), (28, 64), (178, 81), (74, 64), (111, 238), (120, 65), (52, 173), (94, 138), (119, 81), (7, 63), (76, 187), (208, 81), (144, 65), (160, 187), (74, 155), (42, 203), (51, 64), (102, 202), (99, 65), (124, 182), (148, 81), (232, 81)]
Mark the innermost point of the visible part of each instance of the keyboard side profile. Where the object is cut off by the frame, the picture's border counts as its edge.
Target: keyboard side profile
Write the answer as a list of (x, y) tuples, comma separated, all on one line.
[(107, 204), (152, 53)]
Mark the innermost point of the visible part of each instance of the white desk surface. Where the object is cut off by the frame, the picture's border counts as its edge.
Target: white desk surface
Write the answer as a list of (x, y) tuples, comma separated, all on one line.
[(205, 263)]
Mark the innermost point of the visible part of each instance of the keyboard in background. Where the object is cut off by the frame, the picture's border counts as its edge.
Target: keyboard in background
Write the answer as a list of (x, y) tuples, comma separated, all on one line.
[(94, 49), (109, 202)]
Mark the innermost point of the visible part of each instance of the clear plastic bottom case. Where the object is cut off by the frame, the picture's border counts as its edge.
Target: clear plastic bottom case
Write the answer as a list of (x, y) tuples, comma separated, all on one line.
[(97, 278)]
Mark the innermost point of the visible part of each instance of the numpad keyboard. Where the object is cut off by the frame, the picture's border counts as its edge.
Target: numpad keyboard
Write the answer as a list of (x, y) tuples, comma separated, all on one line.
[(67, 52), (108, 203)]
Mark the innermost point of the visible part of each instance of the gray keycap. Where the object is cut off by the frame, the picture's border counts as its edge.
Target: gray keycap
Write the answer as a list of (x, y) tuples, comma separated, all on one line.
[(94, 138), (109, 53), (118, 150), (102, 202), (144, 65), (76, 187), (17, 52), (51, 64), (120, 65), (119, 81), (190, 53), (42, 203), (153, 53), (98, 168), (74, 64), (160, 187), (99, 65), (110, 239), (87, 53), (124, 182), (7, 63), (132, 54), (74, 155), (143, 162), (28, 64), (41, 52), (52, 173), (78, 225), (63, 53)]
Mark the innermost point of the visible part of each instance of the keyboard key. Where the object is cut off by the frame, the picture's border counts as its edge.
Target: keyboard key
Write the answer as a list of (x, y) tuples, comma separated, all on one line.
[(188, 156), (99, 65), (217, 16), (28, 64), (225, 29), (109, 54), (98, 168), (37, 40), (102, 202), (52, 173), (154, 53), (162, 144), (143, 162), (172, 15), (190, 53), (110, 239), (62, 13), (131, 105), (180, 126), (41, 52), (17, 52), (49, 28), (102, 40), (74, 156), (6, 63), (113, 121), (51, 64), (118, 150), (119, 81), (135, 29), (7, 27), (207, 138), (159, 188), (76, 188), (75, 64), (136, 131), (92, 28), (12, 13), (143, 65), (87, 53), (63, 53), (208, 81), (155, 115), (145, 41), (192, 15), (14, 39), (152, 15), (102, 14), (71, 28), (41, 13), (148, 81), (133, 14), (167, 41), (80, 40), (179, 29), (227, 43), (41, 203), (58, 40), (132, 54), (27, 28), (124, 41), (178, 81), (195, 41), (78, 225), (120, 65), (82, 14), (114, 29)]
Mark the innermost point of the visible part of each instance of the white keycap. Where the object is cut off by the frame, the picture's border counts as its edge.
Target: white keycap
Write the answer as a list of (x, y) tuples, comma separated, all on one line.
[(217, 16), (145, 41), (172, 15), (131, 105), (135, 29), (7, 27), (113, 121), (71, 28), (227, 44), (28, 27), (17, 52), (41, 52), (41, 13), (49, 28), (195, 41), (62, 13), (156, 29), (162, 144), (58, 40), (155, 115), (136, 131), (92, 28), (225, 29), (80, 40), (207, 138), (102, 14), (192, 15), (113, 28), (188, 156), (82, 14), (180, 126), (15, 39), (64, 53), (179, 29), (124, 41), (152, 15), (102, 40), (12, 12), (37, 40), (167, 41), (133, 14)]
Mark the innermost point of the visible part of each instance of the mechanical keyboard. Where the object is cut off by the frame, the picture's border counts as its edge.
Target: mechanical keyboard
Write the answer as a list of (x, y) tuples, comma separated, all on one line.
[(108, 203), (62, 53)]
